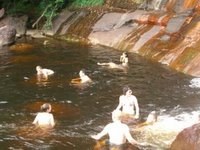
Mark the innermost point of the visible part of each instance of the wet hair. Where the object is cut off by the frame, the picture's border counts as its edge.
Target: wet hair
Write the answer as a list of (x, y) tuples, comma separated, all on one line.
[(154, 115), (45, 107), (125, 89), (83, 70), (116, 115), (126, 54), (38, 67)]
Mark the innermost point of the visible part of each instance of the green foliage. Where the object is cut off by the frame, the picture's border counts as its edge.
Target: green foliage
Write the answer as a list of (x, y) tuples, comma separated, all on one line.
[(47, 8), (138, 1), (86, 3), (50, 10), (16, 6)]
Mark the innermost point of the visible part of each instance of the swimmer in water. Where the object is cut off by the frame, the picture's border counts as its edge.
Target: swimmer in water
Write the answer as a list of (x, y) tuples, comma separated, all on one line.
[(83, 78), (118, 132), (112, 65), (124, 59), (44, 72), (44, 118), (151, 119), (128, 103)]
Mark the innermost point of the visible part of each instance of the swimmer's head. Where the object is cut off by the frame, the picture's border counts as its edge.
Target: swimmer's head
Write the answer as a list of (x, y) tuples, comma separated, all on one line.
[(116, 115), (125, 54), (82, 72), (152, 117), (46, 107), (126, 90), (38, 68)]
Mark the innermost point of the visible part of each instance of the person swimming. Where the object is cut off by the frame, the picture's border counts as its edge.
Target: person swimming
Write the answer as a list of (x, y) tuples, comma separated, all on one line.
[(112, 65), (124, 59), (151, 119), (43, 71), (83, 78), (44, 118)]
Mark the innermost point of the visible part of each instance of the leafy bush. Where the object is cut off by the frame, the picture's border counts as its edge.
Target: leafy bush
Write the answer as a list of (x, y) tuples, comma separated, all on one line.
[(50, 9), (86, 3), (13, 7)]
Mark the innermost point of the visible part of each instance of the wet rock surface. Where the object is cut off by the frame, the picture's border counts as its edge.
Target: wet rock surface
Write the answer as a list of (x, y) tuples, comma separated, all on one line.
[(188, 139)]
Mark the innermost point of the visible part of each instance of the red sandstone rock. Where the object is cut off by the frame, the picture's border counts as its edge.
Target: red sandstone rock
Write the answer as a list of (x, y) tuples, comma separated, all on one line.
[(188, 139)]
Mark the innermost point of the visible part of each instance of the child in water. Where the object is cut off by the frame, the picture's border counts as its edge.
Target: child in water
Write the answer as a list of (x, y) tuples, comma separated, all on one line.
[(151, 119), (83, 78), (43, 71), (44, 118)]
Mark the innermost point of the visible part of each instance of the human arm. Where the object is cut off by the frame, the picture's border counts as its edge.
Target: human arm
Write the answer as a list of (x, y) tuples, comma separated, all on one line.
[(48, 72), (121, 58), (102, 64), (101, 134), (85, 79), (137, 109), (52, 122), (120, 103), (35, 120), (129, 137), (76, 80)]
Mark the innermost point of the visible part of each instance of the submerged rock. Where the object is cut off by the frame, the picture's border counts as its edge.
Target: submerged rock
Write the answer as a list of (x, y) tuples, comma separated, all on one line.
[(21, 47)]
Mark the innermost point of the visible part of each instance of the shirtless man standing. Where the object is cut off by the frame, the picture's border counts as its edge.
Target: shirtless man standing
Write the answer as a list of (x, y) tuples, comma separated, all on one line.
[(118, 132)]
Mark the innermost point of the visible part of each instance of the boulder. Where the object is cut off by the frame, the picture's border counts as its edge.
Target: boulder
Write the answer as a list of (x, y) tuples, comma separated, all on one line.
[(2, 12), (188, 139), (19, 23), (7, 35)]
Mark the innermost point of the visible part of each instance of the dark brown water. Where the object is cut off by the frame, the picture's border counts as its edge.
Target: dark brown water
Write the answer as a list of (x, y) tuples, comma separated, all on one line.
[(82, 111)]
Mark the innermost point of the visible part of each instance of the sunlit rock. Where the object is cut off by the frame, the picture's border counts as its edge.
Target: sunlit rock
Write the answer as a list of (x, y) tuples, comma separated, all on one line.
[(35, 34), (188, 139), (153, 4), (185, 56), (107, 22), (166, 31), (125, 4), (60, 20)]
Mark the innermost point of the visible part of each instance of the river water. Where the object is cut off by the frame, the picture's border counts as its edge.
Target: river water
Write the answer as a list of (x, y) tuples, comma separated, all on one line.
[(82, 111)]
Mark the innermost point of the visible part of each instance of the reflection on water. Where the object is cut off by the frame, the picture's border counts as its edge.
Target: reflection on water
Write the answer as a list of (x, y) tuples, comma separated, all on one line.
[(82, 111)]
